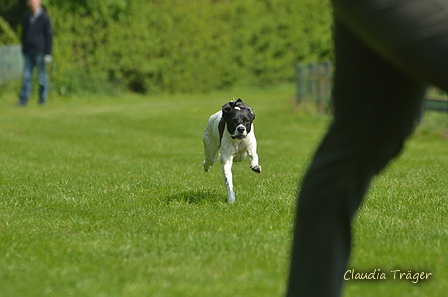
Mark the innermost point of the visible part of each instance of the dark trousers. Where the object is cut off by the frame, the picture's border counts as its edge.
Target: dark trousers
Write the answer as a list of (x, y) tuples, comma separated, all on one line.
[(386, 53)]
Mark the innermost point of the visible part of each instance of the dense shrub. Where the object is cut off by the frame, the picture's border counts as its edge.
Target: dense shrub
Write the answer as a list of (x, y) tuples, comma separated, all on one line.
[(184, 45), (7, 34)]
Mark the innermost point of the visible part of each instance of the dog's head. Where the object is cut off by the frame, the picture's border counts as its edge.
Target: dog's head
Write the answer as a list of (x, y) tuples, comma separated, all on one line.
[(238, 117)]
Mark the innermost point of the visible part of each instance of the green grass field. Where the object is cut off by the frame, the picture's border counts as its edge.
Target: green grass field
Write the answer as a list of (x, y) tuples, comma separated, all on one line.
[(107, 197)]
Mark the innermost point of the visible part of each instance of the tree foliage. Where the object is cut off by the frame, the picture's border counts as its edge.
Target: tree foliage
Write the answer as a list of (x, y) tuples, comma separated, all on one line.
[(7, 34), (184, 45)]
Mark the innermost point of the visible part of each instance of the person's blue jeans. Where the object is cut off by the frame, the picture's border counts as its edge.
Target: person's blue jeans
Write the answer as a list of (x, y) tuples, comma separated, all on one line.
[(32, 61)]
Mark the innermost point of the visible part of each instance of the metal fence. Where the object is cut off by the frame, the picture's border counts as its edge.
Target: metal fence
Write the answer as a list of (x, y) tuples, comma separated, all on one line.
[(314, 84), (435, 104), (11, 63)]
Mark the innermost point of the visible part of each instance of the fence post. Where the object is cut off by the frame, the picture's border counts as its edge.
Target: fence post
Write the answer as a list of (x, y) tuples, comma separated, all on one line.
[(300, 83), (311, 80), (320, 79)]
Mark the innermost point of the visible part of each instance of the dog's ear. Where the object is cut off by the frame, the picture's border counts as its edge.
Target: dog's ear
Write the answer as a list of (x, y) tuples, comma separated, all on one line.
[(252, 114), (239, 103), (227, 107)]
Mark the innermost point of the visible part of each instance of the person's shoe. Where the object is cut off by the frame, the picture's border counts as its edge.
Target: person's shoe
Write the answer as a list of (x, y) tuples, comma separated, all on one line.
[(20, 104)]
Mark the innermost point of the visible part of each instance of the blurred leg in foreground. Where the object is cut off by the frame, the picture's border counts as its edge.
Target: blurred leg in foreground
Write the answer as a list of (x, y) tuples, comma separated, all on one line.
[(387, 52)]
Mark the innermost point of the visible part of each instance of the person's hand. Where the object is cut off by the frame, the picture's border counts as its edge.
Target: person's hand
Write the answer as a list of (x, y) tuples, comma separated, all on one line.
[(48, 59)]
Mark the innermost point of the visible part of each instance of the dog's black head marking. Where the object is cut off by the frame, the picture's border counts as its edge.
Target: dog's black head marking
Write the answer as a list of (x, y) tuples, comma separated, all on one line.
[(238, 117)]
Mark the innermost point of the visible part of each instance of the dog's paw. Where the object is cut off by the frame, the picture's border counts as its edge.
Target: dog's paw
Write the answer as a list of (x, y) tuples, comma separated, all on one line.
[(256, 168), (207, 166), (231, 198)]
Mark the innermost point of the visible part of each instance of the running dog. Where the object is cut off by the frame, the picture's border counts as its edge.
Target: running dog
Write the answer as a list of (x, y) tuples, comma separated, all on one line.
[(231, 132)]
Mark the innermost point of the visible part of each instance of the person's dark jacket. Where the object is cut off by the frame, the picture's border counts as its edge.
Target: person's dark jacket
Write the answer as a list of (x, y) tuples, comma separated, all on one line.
[(37, 38)]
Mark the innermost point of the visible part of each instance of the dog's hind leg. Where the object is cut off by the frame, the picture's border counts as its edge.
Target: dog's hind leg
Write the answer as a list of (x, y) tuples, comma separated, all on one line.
[(210, 160), (227, 174), (211, 149)]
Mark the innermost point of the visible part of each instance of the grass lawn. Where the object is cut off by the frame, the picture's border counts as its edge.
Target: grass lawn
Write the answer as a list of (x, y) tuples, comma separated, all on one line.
[(107, 197)]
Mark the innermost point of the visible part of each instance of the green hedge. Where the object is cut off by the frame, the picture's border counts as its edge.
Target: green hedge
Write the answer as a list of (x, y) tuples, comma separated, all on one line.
[(7, 34), (184, 45)]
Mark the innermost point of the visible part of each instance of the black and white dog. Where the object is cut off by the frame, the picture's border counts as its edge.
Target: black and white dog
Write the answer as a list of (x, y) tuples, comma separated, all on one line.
[(231, 131)]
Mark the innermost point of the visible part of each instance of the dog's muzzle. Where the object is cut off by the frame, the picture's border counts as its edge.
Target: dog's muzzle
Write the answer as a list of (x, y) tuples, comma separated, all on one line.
[(240, 132)]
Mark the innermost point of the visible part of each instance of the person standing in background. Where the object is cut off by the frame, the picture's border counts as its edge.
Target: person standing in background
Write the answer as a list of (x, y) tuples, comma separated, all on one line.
[(37, 43)]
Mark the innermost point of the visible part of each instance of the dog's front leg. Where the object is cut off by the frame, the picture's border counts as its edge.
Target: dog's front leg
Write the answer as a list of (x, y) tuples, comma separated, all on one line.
[(254, 164), (227, 174), (253, 156)]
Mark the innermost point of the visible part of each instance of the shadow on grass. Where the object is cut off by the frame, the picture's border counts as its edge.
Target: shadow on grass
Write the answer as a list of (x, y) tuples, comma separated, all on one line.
[(196, 197)]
